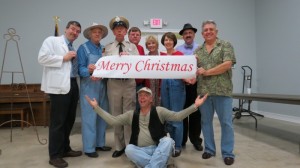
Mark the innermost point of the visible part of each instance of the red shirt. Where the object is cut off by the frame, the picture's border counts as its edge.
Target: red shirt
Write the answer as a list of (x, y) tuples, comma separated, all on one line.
[(140, 49), (174, 53)]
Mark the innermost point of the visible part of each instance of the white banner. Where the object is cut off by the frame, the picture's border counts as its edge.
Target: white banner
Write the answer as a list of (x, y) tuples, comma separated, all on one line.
[(146, 67)]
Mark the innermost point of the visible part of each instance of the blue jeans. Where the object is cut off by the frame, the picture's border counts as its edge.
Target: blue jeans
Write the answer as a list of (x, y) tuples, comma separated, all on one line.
[(173, 98), (223, 107), (93, 127), (151, 156)]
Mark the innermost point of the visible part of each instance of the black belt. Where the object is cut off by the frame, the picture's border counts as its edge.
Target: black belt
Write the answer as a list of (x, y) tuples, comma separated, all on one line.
[(73, 78)]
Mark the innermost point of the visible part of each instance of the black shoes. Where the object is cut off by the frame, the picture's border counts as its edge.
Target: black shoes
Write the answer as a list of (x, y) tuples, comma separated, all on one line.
[(118, 153), (198, 147), (58, 162), (228, 160), (95, 154), (176, 153), (103, 148), (92, 155), (206, 155), (72, 153)]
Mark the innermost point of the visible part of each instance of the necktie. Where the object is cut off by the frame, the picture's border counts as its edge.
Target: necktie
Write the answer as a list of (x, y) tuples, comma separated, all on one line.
[(120, 48), (70, 46), (74, 62)]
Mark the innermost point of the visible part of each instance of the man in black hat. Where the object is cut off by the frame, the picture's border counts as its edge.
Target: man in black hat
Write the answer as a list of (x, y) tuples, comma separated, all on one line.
[(191, 124), (120, 91)]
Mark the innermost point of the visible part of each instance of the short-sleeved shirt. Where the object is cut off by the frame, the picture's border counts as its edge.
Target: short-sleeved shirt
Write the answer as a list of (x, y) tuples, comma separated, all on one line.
[(216, 85), (113, 48)]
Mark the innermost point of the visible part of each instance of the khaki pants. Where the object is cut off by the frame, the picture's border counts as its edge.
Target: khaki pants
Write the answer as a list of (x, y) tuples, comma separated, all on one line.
[(122, 98)]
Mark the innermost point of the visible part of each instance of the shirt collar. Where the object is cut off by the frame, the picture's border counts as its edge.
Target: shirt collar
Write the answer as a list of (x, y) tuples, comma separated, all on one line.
[(67, 41)]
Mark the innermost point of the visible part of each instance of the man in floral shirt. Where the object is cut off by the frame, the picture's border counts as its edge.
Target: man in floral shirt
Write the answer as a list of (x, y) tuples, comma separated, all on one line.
[(215, 59)]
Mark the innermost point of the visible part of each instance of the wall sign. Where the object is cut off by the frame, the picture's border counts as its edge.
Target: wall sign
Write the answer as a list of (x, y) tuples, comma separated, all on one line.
[(156, 23)]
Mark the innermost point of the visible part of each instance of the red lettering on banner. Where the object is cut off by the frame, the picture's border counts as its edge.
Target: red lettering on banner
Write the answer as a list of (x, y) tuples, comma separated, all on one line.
[(148, 67), (158, 66), (125, 67), (103, 65), (111, 67), (137, 66), (190, 68), (175, 67)]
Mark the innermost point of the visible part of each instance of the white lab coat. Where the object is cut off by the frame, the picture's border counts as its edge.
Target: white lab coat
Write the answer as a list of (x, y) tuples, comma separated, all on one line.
[(56, 73)]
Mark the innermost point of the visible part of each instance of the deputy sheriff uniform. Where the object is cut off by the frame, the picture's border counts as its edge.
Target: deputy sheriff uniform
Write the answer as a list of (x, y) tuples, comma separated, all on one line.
[(121, 92)]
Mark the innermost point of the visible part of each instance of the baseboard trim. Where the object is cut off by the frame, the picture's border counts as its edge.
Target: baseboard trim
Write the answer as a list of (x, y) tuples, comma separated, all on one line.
[(282, 117)]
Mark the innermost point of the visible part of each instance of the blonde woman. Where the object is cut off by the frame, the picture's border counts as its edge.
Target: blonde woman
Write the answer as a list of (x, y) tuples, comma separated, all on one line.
[(151, 44)]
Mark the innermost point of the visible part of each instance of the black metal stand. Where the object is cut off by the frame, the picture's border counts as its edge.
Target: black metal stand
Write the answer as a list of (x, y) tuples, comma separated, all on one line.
[(13, 37), (247, 78)]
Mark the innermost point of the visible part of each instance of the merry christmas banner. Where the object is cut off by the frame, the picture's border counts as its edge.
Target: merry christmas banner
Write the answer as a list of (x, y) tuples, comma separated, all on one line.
[(146, 67)]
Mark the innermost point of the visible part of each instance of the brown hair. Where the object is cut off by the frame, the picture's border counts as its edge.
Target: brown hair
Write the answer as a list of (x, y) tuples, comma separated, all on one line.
[(134, 29), (169, 35)]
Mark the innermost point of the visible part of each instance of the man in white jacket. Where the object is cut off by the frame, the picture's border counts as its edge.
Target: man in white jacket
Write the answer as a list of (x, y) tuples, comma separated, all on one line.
[(58, 57)]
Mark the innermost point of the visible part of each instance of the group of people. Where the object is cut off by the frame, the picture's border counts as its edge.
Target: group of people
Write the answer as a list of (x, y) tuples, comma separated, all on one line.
[(142, 111)]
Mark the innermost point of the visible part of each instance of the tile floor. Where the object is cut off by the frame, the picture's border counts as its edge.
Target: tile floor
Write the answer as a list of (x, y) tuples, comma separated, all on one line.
[(274, 144)]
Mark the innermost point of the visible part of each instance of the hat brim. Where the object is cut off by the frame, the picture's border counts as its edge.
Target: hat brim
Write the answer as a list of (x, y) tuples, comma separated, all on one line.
[(86, 32), (181, 31)]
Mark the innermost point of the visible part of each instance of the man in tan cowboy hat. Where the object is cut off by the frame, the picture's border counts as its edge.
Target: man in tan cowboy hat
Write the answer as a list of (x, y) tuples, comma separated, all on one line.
[(93, 126), (121, 91)]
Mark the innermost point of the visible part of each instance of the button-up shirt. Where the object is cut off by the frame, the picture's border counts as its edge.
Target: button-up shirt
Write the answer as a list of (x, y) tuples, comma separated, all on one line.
[(216, 85), (187, 50)]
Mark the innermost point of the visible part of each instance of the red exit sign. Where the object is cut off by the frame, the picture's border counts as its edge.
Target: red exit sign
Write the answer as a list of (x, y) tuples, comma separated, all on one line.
[(156, 23)]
